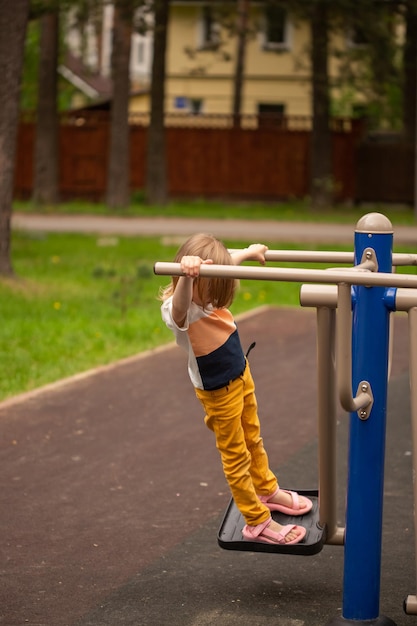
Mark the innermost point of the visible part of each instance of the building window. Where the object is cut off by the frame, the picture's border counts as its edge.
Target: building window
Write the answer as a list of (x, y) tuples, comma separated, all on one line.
[(140, 60), (271, 115), (196, 106), (209, 29), (189, 105), (140, 56), (276, 28)]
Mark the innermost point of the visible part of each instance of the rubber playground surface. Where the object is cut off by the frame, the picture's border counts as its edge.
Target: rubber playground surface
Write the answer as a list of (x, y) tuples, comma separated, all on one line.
[(113, 493)]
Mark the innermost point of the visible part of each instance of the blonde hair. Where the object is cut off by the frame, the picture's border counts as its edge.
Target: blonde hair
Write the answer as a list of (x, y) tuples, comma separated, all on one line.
[(219, 292)]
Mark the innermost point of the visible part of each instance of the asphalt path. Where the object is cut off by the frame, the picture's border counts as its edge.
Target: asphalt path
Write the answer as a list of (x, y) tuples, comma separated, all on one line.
[(112, 489), (224, 229), (112, 495)]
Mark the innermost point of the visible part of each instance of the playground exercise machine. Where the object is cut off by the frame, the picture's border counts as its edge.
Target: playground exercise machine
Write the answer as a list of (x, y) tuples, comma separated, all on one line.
[(353, 353)]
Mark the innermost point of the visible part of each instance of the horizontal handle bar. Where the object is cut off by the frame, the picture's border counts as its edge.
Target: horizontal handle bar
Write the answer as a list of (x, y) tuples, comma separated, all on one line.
[(405, 299), (296, 275), (326, 256), (318, 295), (326, 295), (306, 256)]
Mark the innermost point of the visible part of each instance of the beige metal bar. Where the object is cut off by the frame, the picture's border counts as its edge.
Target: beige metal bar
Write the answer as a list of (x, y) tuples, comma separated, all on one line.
[(306, 256), (326, 295), (328, 256), (403, 258), (405, 299), (318, 295), (326, 408), (410, 604), (326, 276), (344, 355)]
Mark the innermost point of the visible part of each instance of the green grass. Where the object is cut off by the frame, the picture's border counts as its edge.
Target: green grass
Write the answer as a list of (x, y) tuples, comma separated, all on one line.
[(82, 301), (291, 211)]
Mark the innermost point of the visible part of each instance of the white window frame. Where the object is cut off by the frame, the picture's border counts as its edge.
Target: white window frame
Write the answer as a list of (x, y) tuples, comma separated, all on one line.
[(204, 43), (285, 44), (141, 69)]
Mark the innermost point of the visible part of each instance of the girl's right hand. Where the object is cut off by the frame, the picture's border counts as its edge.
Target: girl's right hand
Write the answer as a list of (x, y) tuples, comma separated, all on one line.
[(190, 265)]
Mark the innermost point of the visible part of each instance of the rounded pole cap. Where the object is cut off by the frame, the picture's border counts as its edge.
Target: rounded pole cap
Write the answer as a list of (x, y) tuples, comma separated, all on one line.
[(374, 223)]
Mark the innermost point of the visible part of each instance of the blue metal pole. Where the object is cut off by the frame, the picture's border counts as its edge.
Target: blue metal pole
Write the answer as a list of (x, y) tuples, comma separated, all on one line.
[(370, 340)]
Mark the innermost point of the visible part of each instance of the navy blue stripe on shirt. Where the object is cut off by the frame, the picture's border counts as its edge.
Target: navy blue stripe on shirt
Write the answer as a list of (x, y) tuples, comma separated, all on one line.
[(223, 364)]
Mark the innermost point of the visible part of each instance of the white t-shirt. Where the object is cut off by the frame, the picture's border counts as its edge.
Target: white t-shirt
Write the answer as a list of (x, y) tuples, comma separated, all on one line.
[(211, 339)]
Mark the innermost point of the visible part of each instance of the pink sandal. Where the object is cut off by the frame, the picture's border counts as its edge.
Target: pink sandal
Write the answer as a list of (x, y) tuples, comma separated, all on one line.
[(262, 533), (300, 504)]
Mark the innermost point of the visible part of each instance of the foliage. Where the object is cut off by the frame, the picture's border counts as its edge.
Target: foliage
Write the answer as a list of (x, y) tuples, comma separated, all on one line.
[(371, 64), (30, 82), (29, 89), (371, 77)]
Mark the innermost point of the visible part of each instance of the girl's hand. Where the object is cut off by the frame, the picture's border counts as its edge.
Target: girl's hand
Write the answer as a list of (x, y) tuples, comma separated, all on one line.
[(257, 252), (190, 265)]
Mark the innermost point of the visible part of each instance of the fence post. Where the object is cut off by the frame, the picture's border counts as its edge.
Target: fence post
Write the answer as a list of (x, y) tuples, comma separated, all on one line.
[(364, 505)]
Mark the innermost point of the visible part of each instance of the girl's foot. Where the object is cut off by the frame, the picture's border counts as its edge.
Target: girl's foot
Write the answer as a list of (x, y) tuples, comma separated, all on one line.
[(288, 502), (272, 532)]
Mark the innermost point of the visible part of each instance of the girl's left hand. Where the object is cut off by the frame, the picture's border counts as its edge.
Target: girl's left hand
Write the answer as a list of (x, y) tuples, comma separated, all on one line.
[(257, 252)]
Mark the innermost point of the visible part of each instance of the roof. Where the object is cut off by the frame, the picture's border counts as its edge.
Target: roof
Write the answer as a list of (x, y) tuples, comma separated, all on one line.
[(93, 84)]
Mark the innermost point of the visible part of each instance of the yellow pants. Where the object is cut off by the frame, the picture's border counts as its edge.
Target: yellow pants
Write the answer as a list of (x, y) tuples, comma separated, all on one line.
[(232, 414)]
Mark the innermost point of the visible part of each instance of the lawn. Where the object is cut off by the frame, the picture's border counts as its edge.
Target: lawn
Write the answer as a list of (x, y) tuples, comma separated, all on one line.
[(82, 301), (291, 211)]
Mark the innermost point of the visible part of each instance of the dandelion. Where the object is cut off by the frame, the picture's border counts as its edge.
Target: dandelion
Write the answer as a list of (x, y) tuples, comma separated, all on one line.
[(57, 306), (247, 295), (55, 260)]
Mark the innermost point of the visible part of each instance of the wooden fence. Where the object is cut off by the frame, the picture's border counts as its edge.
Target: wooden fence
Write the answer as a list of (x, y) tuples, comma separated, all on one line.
[(254, 161), (385, 172)]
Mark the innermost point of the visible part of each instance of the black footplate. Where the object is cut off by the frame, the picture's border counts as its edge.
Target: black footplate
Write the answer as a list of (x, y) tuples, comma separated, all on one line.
[(230, 533)]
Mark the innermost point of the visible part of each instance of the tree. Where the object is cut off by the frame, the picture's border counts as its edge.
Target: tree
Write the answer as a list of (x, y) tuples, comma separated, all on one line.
[(13, 23), (156, 174), (118, 183), (410, 72), (318, 14), (321, 177), (242, 27), (372, 65), (46, 144)]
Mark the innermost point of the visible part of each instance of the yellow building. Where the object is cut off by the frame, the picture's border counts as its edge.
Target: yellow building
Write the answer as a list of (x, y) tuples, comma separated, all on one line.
[(201, 61)]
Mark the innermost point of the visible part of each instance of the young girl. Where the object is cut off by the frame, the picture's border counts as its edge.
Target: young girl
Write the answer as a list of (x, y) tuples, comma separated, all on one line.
[(196, 310)]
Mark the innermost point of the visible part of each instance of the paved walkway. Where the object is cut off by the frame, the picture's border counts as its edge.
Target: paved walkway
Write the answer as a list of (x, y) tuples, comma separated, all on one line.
[(227, 229), (112, 495), (112, 490)]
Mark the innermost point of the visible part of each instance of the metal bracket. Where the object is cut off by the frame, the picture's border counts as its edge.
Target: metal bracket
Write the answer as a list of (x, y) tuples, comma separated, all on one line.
[(365, 387), (369, 260)]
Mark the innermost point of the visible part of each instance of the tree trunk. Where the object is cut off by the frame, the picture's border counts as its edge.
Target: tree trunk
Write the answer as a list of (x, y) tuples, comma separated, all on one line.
[(410, 73), (321, 181), (118, 179), (156, 174), (47, 127), (243, 11), (13, 21)]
